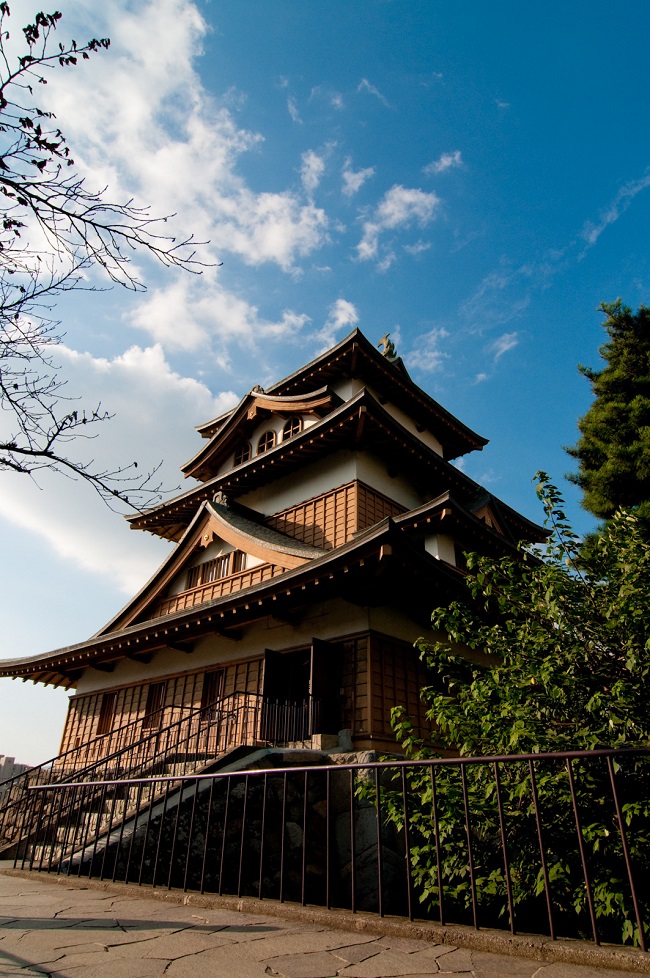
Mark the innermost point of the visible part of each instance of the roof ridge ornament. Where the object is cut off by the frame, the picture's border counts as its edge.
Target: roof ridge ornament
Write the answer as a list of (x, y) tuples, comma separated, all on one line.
[(256, 389), (221, 499), (388, 350)]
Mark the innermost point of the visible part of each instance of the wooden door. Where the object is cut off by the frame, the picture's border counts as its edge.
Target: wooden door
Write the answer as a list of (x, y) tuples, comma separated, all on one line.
[(325, 686)]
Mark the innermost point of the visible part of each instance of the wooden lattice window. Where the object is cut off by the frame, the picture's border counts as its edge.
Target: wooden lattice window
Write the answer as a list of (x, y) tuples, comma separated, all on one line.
[(243, 453), (238, 561), (106, 714), (213, 683), (291, 428), (212, 570), (193, 577), (266, 442), (154, 706)]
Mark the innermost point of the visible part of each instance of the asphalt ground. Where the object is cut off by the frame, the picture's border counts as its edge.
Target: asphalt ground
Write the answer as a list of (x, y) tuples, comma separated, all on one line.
[(74, 928)]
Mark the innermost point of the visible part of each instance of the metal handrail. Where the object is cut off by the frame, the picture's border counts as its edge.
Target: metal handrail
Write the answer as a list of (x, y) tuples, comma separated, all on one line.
[(52, 770), (57, 771), (288, 833), (231, 720)]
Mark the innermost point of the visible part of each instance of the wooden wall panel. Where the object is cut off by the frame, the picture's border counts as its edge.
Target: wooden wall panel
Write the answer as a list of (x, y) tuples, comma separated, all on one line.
[(373, 507), (397, 677), (331, 519), (182, 694), (355, 714)]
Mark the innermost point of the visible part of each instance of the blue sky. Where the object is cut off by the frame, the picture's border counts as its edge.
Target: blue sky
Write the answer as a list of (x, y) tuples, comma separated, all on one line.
[(473, 178)]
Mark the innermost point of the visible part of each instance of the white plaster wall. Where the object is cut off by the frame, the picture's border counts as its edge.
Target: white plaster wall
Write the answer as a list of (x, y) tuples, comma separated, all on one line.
[(326, 620), (442, 546), (347, 387), (330, 473), (373, 471), (426, 436)]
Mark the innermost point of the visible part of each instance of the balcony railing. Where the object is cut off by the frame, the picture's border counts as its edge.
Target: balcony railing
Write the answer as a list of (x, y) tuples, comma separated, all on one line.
[(216, 589)]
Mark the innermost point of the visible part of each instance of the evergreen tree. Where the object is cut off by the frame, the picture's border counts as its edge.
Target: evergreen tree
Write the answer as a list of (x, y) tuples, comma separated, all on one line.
[(613, 451)]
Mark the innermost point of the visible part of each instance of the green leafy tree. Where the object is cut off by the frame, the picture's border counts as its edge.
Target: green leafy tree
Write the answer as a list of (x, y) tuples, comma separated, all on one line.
[(550, 652), (613, 451)]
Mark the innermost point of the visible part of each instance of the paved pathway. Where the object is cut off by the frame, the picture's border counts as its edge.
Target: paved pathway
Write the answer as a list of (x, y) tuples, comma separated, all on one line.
[(75, 930)]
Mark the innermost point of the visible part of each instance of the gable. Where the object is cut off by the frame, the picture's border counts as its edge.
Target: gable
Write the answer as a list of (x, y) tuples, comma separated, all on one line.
[(259, 423), (487, 515), (223, 550)]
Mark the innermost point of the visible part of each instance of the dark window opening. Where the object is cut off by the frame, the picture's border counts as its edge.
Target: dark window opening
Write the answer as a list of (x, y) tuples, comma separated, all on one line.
[(106, 714), (213, 683), (154, 706)]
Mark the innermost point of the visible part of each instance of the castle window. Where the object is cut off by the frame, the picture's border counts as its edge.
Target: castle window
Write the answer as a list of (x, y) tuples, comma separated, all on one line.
[(153, 710), (291, 428), (213, 570), (238, 561), (243, 453), (106, 714), (267, 441)]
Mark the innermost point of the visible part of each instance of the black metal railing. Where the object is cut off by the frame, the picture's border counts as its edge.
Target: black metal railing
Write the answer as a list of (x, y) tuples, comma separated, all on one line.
[(145, 747), (61, 768), (556, 843)]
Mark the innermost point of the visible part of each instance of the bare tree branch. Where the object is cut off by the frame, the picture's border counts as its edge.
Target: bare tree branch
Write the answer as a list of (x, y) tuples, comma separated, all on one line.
[(53, 230)]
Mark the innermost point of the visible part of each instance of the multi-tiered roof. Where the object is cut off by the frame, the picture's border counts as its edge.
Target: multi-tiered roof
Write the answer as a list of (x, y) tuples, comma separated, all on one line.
[(335, 482)]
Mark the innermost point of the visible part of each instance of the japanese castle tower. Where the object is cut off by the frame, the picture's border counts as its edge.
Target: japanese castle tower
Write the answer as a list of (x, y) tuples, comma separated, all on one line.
[(324, 523)]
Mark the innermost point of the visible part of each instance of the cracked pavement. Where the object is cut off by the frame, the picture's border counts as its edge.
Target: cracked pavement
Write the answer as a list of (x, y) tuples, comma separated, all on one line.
[(74, 929)]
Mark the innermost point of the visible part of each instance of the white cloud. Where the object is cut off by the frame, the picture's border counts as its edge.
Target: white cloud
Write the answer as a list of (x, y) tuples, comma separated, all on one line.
[(591, 232), (142, 124), (505, 342), (496, 301), (418, 247), (444, 162), (269, 227), (426, 354), (353, 180), (292, 107), (342, 313), (365, 86), (155, 411), (312, 170), (210, 319), (336, 101), (400, 207)]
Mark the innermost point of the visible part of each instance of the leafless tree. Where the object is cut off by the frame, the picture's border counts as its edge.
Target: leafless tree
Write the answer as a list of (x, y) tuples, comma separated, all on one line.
[(54, 230)]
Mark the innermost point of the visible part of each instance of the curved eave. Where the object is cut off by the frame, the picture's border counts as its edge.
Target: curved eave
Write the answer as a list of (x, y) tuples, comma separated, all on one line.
[(354, 568), (224, 441), (358, 424), (356, 356), (229, 525), (261, 541), (445, 514)]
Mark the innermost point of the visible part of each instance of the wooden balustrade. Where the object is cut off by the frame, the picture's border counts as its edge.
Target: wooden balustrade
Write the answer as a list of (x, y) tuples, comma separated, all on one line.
[(216, 589)]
